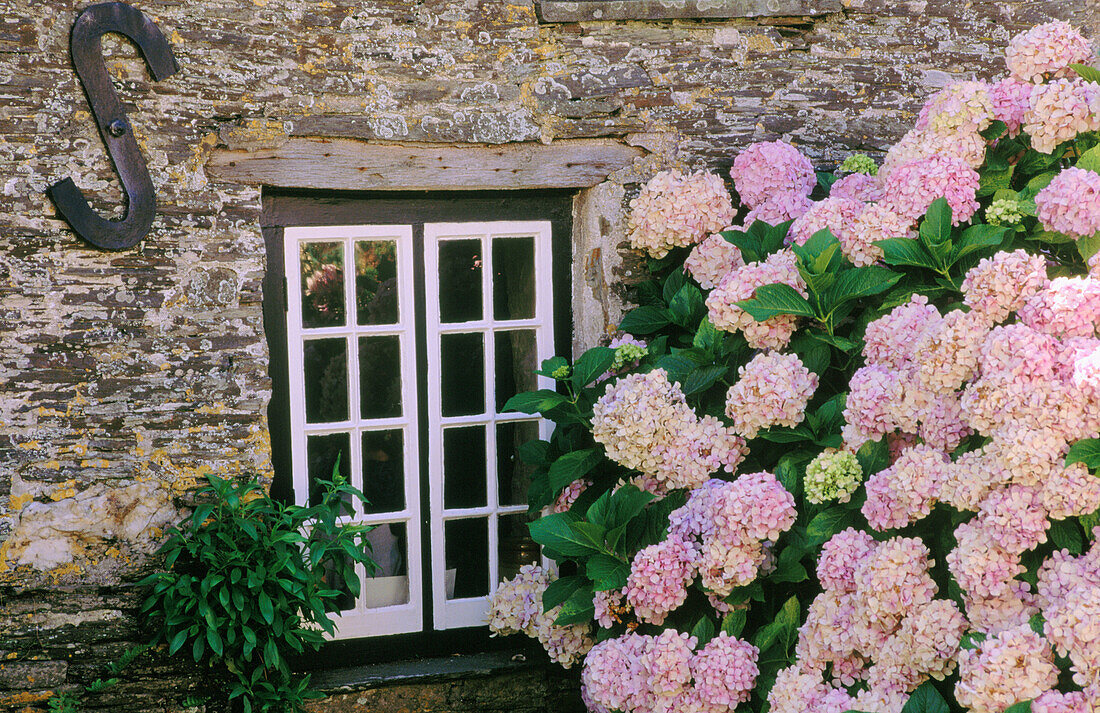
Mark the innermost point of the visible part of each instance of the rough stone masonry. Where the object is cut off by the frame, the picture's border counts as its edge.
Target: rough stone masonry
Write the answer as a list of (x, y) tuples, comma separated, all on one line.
[(124, 377)]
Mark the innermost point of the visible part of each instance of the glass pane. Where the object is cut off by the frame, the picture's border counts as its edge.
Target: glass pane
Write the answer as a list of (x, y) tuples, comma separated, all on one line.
[(467, 554), (459, 280), (322, 453), (516, 361), (376, 281), (389, 585), (463, 387), (322, 267), (384, 471), (464, 467), (515, 545), (333, 579), (513, 278), (380, 376), (513, 475), (325, 362)]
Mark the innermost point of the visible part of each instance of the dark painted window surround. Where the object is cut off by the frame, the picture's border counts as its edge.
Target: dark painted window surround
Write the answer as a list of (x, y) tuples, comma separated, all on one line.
[(403, 658)]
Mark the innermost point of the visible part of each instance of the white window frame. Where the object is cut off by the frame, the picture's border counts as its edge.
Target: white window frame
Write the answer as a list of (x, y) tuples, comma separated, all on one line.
[(473, 611), (361, 621), (447, 613)]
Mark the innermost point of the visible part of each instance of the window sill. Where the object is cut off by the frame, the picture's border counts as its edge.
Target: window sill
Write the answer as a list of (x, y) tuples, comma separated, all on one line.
[(418, 671)]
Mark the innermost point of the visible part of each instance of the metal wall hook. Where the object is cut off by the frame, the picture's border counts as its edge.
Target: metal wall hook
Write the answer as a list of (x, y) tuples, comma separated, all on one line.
[(114, 128)]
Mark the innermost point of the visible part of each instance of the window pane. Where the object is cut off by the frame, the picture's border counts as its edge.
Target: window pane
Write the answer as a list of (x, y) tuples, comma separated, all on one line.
[(322, 453), (515, 544), (326, 380), (333, 579), (384, 471), (466, 543), (322, 267), (388, 586), (463, 367), (516, 361), (513, 475), (513, 278), (459, 280), (464, 467), (380, 376), (376, 281)]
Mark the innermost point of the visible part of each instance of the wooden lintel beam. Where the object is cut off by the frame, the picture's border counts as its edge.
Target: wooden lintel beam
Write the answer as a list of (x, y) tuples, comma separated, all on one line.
[(351, 164)]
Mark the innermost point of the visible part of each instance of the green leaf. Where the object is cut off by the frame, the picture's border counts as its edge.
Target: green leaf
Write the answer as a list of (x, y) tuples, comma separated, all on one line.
[(935, 229), (1088, 246), (1021, 707), (704, 630), (645, 319), (971, 640), (789, 568), (782, 629), (214, 640), (995, 130), (734, 622), (591, 364), (549, 366), (1065, 534), (535, 452), (267, 610), (673, 282), (906, 251), (842, 343), (750, 244), (995, 180), (560, 590), (873, 456), (573, 466), (702, 378), (607, 572), (977, 237), (779, 434), (578, 609), (708, 337), (539, 401), (625, 503), (861, 282), (776, 299), (177, 642), (1090, 160), (825, 524), (1085, 451), (1089, 74), (687, 306), (926, 699), (559, 533)]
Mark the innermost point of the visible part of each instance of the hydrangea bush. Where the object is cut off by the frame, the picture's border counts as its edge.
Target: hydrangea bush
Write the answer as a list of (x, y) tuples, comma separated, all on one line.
[(843, 456)]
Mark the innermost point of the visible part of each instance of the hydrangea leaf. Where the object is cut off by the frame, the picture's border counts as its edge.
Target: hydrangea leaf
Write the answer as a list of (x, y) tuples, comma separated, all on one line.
[(776, 299), (591, 364), (558, 533), (1088, 245), (1090, 160), (906, 251), (734, 622), (687, 306), (534, 401), (577, 609), (1085, 451), (607, 572), (935, 229), (861, 282), (645, 319), (1021, 707), (926, 699), (703, 378), (977, 237), (1084, 71), (826, 524)]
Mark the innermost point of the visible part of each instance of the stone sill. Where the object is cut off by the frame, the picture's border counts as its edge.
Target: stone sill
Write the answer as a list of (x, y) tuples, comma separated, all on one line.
[(582, 10), (435, 670)]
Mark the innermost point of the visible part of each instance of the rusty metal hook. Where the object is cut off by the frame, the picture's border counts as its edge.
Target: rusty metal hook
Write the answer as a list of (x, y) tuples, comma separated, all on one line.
[(113, 124)]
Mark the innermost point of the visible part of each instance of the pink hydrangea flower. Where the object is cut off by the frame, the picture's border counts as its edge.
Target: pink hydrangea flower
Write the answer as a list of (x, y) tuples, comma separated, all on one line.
[(968, 148), (1070, 204), (894, 578), (1011, 101), (1068, 307), (961, 107), (875, 223), (569, 495), (725, 671), (840, 556), (857, 187), (1057, 702), (767, 168), (1061, 110), (677, 210), (836, 214), (713, 259), (911, 188), (1046, 50), (740, 284), (779, 208), (906, 491), (868, 412), (999, 285), (658, 578), (1009, 667), (771, 390), (893, 339)]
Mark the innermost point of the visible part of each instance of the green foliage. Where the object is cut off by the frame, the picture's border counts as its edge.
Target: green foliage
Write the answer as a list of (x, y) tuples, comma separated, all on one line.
[(252, 581)]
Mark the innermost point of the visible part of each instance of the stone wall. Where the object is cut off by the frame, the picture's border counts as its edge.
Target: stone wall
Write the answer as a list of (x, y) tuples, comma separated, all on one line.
[(124, 377)]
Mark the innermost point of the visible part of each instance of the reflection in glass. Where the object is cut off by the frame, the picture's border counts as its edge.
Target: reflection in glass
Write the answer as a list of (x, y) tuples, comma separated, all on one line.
[(380, 376), (389, 585), (384, 471), (322, 266), (325, 363), (322, 454), (513, 278), (466, 546), (376, 281), (459, 280), (513, 474), (516, 361), (464, 467), (462, 391), (515, 546)]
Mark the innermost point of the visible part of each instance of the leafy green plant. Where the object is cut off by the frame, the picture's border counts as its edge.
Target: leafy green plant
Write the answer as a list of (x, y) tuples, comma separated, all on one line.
[(252, 581)]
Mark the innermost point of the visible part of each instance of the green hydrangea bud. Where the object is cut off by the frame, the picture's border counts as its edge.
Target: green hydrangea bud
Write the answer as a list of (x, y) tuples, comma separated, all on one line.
[(833, 475), (1004, 212), (562, 372), (627, 354), (860, 163)]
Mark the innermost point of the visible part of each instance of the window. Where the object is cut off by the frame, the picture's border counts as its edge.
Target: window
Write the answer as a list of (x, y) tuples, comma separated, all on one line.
[(407, 325)]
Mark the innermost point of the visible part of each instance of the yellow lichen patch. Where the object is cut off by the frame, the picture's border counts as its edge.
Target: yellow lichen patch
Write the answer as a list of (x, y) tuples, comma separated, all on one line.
[(29, 445), (215, 408), (761, 43), (16, 502), (94, 463), (64, 490), (24, 697), (64, 570)]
